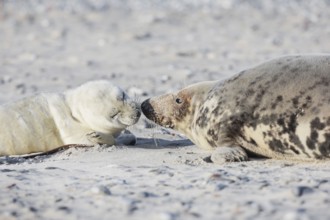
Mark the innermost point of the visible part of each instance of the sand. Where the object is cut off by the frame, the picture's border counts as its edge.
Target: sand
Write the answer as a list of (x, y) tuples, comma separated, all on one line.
[(149, 48)]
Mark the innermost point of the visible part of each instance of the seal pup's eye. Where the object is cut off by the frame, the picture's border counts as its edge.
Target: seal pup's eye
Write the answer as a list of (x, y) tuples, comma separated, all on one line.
[(178, 100)]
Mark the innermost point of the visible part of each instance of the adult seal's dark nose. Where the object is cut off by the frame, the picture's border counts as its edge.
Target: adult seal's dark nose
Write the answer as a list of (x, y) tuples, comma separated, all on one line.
[(145, 105), (146, 108)]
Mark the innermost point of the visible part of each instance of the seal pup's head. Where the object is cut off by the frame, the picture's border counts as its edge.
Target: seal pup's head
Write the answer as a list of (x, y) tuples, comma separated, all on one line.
[(103, 106), (176, 110)]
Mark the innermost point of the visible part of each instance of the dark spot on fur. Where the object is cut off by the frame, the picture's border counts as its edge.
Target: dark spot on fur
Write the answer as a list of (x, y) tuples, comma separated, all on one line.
[(202, 120), (249, 92), (234, 126), (292, 123), (215, 111), (264, 134), (281, 122), (277, 101), (325, 146), (267, 119), (213, 134), (294, 150), (294, 70), (279, 98), (295, 102), (211, 142), (276, 145), (312, 140), (294, 139), (260, 95), (314, 135), (316, 124), (253, 142)]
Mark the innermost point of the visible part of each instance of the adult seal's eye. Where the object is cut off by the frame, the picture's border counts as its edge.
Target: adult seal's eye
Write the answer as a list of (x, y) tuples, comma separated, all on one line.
[(178, 100)]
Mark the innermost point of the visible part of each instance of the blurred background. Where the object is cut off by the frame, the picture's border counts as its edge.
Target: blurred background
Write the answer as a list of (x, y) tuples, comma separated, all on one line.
[(149, 47)]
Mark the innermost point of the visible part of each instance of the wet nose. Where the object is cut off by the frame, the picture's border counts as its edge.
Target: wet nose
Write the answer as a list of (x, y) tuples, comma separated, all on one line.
[(146, 107)]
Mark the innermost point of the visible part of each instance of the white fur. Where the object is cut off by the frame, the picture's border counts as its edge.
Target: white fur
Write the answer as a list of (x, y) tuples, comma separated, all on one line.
[(93, 113)]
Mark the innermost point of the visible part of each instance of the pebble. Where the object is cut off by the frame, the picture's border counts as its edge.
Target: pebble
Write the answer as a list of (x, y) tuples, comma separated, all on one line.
[(302, 190), (165, 78), (162, 171), (6, 79), (144, 36), (103, 190), (145, 194)]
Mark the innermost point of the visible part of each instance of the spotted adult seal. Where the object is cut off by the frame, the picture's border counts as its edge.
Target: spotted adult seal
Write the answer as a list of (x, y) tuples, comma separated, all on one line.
[(278, 109), (93, 113)]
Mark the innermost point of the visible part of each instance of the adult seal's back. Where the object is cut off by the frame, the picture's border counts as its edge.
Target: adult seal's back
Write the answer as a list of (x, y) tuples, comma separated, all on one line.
[(279, 109)]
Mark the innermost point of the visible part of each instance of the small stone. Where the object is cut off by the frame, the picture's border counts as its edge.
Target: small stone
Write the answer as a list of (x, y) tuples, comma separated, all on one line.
[(302, 190), (147, 194), (91, 63), (220, 186), (101, 190), (165, 78), (185, 54), (6, 79), (33, 209), (64, 208), (144, 36)]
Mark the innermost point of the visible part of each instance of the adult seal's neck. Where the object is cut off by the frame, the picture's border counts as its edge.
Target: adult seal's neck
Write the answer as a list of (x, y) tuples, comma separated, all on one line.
[(198, 94)]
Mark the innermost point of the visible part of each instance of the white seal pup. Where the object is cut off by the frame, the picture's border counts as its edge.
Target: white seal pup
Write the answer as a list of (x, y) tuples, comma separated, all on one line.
[(279, 109), (93, 113)]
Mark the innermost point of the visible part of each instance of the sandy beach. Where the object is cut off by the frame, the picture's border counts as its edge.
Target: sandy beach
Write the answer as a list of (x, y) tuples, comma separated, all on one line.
[(150, 48)]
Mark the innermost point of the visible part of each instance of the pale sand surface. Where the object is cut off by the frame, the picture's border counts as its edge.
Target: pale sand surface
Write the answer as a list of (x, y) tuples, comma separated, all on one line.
[(149, 48)]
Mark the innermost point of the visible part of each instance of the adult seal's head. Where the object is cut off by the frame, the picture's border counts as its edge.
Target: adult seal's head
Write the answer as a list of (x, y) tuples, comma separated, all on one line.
[(177, 110)]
